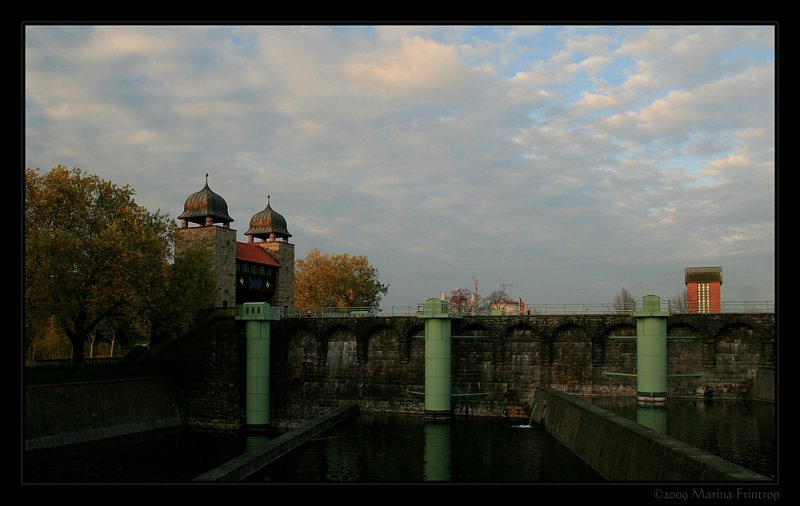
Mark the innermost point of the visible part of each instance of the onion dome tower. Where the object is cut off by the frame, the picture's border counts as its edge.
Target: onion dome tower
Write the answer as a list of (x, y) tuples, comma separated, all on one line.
[(206, 208), (270, 226)]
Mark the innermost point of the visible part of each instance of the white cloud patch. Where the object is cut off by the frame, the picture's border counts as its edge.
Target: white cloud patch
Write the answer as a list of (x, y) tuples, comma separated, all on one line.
[(419, 66)]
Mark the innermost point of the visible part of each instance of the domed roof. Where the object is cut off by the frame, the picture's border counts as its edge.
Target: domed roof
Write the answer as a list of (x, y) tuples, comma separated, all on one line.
[(267, 223), (205, 203)]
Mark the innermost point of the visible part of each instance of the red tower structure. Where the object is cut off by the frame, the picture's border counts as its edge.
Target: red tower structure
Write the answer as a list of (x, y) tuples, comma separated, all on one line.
[(703, 289)]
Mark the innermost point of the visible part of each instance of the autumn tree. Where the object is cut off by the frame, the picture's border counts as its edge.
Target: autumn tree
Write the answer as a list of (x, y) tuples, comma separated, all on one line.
[(325, 280), (468, 302), (92, 255), (624, 301), (460, 300)]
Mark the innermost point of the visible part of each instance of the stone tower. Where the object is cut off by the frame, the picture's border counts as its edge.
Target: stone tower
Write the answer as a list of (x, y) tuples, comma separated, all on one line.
[(270, 227), (205, 209)]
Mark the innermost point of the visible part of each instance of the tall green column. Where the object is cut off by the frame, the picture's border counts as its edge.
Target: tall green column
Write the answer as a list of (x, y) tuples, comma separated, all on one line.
[(437, 358), (257, 333), (651, 351)]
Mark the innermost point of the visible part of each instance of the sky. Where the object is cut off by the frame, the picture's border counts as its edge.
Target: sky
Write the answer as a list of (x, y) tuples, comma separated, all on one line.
[(561, 163)]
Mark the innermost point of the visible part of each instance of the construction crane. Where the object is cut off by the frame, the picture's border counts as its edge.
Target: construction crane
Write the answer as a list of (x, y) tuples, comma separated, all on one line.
[(504, 285)]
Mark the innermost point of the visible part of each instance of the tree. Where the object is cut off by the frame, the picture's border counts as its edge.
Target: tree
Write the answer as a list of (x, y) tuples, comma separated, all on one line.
[(460, 300), (624, 301), (498, 299), (92, 255), (679, 302), (191, 281), (324, 280)]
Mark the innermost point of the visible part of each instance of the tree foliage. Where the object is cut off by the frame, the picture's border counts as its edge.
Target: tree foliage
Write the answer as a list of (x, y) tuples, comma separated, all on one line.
[(325, 280), (190, 285), (92, 255), (460, 300), (467, 302), (624, 301)]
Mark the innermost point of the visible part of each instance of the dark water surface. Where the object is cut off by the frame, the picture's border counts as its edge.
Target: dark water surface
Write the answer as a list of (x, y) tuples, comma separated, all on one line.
[(395, 448), (742, 432), (392, 448), (370, 448), (160, 456)]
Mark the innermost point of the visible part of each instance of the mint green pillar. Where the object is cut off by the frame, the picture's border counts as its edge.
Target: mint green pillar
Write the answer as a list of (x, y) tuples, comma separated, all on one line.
[(437, 358), (257, 316), (651, 351)]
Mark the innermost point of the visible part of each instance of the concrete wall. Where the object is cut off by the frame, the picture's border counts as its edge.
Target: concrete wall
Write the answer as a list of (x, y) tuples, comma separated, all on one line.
[(622, 450), (70, 413)]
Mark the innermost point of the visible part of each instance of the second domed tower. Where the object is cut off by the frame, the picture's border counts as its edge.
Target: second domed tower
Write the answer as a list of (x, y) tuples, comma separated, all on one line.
[(270, 227)]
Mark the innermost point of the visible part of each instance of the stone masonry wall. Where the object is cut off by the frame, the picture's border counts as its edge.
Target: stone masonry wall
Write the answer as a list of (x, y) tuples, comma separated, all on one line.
[(498, 362), (220, 243)]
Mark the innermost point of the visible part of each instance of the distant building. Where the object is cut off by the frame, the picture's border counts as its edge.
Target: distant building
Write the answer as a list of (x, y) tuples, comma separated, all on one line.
[(261, 271), (703, 289)]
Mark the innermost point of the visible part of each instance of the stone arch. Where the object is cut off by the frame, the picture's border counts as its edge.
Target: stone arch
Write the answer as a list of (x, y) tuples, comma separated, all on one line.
[(377, 344), (571, 369), (684, 351), (615, 352), (303, 352), (613, 343), (338, 345), (523, 354), (413, 340), (471, 356)]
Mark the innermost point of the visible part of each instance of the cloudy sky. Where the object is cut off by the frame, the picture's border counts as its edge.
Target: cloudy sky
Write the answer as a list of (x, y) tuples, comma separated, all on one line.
[(566, 162)]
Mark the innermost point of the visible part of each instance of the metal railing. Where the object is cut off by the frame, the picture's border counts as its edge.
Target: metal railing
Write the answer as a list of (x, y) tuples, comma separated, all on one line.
[(531, 310)]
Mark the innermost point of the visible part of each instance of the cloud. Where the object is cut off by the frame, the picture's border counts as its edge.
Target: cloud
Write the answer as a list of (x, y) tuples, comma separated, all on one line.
[(724, 104), (568, 159), (419, 67)]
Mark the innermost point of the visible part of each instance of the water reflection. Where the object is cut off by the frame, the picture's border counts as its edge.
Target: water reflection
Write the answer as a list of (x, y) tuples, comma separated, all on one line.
[(437, 451), (391, 448), (653, 417), (741, 432), (255, 442)]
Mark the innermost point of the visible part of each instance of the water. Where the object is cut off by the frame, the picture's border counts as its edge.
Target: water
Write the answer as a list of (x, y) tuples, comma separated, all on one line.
[(743, 433), (393, 448), (376, 448), (160, 456)]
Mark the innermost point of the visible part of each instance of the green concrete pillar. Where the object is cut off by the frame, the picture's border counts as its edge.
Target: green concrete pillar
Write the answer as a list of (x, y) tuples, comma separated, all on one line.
[(437, 358), (257, 332), (651, 351)]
